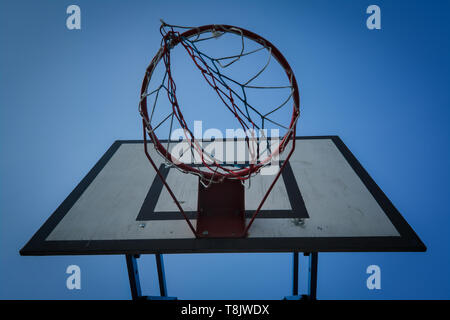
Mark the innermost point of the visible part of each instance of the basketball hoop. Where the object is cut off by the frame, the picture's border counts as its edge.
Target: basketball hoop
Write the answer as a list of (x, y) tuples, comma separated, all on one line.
[(221, 192)]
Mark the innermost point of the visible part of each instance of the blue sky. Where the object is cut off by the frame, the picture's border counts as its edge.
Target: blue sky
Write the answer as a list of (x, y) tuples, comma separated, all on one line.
[(65, 96)]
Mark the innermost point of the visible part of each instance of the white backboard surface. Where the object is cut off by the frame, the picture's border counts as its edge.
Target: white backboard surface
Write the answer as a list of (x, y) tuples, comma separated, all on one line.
[(324, 201)]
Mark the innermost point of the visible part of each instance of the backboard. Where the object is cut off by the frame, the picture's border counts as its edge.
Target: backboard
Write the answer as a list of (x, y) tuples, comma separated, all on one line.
[(324, 201)]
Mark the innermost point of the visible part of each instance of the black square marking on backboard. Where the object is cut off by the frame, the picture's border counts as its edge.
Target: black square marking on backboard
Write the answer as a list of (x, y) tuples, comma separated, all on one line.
[(147, 211)]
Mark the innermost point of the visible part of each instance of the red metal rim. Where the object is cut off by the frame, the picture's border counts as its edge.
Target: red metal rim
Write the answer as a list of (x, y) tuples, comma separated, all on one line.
[(245, 172)]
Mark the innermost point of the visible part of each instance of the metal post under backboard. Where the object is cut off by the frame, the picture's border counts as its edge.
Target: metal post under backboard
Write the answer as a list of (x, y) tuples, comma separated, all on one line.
[(135, 285), (136, 292), (133, 276), (312, 278), (161, 275), (295, 274)]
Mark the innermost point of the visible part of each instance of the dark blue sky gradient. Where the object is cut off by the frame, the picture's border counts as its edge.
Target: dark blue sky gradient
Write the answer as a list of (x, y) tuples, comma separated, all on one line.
[(65, 96)]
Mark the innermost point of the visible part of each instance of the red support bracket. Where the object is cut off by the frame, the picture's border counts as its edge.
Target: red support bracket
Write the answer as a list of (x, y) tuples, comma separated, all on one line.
[(220, 206), (221, 209)]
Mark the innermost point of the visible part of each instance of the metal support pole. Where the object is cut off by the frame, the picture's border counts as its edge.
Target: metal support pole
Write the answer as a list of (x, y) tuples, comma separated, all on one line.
[(161, 275), (312, 285), (295, 274), (133, 276)]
